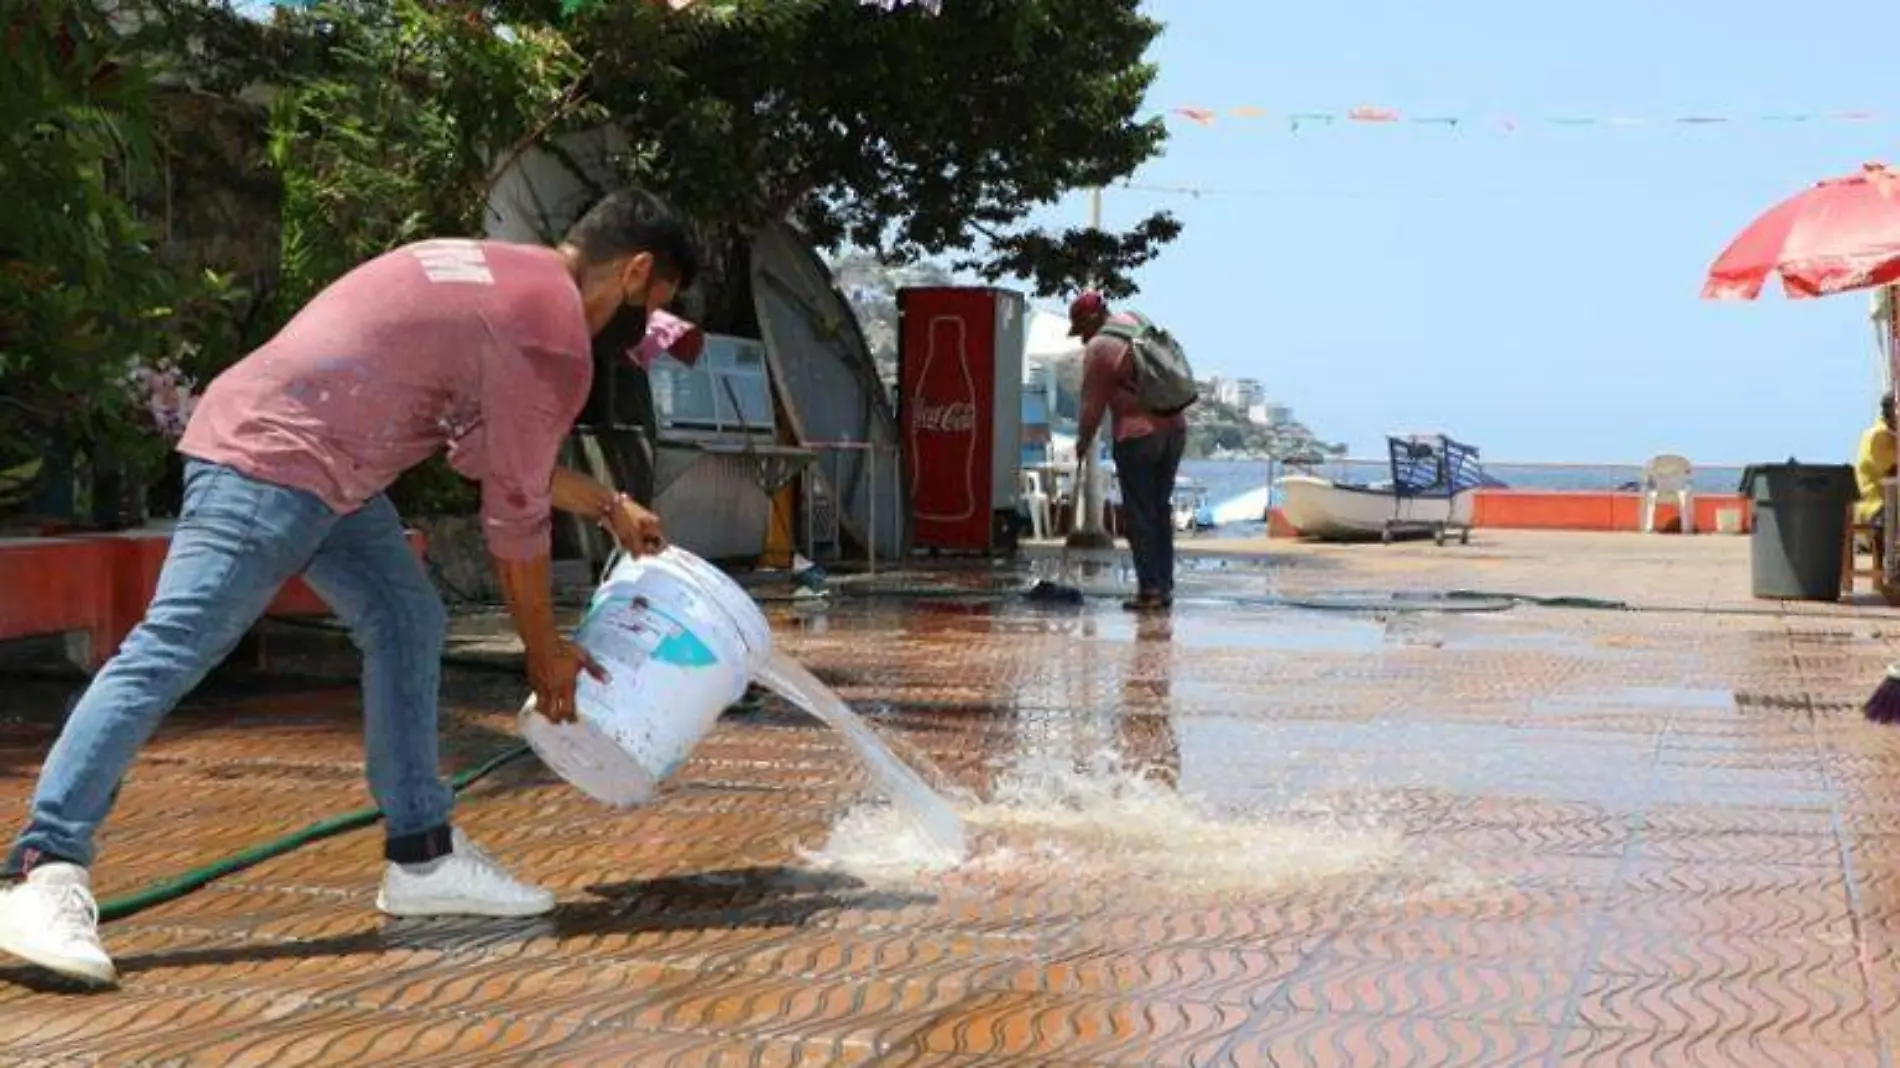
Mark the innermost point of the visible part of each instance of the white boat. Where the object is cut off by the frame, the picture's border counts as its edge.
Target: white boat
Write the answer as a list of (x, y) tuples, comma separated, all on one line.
[(827, 385), (1432, 491), (1336, 511)]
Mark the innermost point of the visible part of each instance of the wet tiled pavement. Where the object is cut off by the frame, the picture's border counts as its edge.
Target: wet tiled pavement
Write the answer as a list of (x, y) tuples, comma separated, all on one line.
[(1615, 838)]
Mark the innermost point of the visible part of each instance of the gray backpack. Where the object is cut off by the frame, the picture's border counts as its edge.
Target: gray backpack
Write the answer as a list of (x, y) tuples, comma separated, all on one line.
[(1164, 383)]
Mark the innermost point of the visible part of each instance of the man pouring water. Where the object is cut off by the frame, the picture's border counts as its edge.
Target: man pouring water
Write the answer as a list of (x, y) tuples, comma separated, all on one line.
[(481, 347)]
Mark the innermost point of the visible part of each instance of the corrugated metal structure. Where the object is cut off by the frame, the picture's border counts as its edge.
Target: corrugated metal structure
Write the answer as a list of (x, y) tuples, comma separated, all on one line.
[(719, 464), (828, 386)]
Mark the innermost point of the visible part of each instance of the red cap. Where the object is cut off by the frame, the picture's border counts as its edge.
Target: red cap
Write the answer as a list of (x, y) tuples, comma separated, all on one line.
[(668, 333), (1089, 305)]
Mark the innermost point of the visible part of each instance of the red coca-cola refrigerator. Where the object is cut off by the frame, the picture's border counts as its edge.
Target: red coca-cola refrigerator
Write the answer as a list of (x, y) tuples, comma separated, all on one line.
[(959, 414)]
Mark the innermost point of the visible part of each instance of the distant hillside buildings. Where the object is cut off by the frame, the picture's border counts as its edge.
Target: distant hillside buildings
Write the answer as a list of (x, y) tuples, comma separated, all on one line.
[(1247, 396), (1241, 393)]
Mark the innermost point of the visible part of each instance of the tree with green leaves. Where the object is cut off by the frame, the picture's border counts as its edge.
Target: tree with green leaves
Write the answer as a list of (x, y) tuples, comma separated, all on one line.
[(901, 132), (391, 117), (389, 121)]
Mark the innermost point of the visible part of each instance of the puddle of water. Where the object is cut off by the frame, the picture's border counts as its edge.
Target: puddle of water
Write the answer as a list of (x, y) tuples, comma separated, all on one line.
[(1675, 697), (1107, 823), (929, 831), (1279, 630), (1285, 761), (1667, 697), (1214, 563), (1497, 634), (1398, 601), (1275, 628)]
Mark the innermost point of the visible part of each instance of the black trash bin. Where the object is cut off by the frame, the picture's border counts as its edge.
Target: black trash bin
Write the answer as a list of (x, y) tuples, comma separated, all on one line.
[(1800, 528)]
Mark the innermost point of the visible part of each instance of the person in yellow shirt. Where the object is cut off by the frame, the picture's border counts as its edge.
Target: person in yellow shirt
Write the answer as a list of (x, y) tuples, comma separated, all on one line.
[(1875, 462)]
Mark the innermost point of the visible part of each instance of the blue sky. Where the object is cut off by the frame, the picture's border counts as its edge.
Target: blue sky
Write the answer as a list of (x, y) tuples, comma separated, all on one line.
[(1535, 293)]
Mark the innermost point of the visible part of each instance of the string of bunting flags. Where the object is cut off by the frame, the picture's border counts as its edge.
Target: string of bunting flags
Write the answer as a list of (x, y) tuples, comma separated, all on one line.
[(1384, 116)]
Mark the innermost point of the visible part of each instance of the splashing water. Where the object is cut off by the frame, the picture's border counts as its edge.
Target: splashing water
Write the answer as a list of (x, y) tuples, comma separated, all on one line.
[(1105, 822), (923, 825), (1052, 819)]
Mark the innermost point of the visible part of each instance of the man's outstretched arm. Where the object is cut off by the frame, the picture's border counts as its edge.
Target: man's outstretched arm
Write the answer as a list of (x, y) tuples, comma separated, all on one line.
[(634, 527), (553, 661), (1100, 360), (529, 401)]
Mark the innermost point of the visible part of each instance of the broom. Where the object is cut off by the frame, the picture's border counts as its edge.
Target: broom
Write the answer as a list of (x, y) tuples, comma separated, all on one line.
[(1884, 705)]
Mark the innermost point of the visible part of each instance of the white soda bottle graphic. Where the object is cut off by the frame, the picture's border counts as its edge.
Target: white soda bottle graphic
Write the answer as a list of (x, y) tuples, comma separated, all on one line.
[(943, 427)]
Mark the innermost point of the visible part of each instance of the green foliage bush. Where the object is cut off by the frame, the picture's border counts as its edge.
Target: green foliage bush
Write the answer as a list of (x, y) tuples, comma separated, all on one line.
[(86, 300)]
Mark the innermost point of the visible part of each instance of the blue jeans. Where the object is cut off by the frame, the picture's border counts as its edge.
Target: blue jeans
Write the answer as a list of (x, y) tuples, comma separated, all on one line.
[(1146, 467), (236, 542)]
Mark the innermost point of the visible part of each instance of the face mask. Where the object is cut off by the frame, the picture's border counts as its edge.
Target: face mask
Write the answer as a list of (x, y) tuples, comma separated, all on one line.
[(624, 331)]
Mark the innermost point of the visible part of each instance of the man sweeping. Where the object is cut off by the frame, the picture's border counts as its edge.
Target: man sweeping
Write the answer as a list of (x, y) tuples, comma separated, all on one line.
[(1133, 370), (477, 346)]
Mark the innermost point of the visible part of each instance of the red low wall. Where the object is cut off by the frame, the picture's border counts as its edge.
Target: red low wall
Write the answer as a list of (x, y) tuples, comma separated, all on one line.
[(100, 584), (1534, 510), (1605, 512)]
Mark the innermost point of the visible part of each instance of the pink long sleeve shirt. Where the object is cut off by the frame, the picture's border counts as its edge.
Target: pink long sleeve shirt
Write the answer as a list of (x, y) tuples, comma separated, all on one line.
[(1108, 386), (478, 346)]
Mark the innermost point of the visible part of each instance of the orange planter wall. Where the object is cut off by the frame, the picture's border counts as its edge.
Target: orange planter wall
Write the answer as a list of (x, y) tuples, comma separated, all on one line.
[(1533, 510), (54, 585), (100, 584), (1528, 510)]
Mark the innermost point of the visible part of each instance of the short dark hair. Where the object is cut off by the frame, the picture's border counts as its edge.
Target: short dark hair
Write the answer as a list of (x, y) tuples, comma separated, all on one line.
[(630, 221), (1886, 407)]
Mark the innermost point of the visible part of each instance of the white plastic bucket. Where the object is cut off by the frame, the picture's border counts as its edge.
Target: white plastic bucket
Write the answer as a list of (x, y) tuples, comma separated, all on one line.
[(681, 642)]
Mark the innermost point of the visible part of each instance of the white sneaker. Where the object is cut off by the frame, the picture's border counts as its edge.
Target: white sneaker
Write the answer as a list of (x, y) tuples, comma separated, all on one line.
[(467, 882), (50, 920)]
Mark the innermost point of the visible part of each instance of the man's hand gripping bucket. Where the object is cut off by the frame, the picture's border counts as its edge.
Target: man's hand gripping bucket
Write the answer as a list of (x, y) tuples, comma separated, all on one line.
[(680, 642)]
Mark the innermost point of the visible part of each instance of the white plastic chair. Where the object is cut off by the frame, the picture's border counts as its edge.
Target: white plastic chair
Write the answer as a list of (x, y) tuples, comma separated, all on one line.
[(1673, 476), (1041, 514)]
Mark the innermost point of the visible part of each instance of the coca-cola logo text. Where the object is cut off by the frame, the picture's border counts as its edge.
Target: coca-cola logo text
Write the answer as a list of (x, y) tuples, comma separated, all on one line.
[(957, 417)]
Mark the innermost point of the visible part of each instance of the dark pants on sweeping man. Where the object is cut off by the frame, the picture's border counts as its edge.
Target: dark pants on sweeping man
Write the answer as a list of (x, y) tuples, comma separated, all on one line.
[(1146, 467)]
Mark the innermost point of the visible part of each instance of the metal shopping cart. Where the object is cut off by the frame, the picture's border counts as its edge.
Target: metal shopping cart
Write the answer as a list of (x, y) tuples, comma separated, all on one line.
[(1434, 484)]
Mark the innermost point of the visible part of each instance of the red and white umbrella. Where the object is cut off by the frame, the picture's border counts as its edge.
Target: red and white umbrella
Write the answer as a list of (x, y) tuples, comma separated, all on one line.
[(1843, 234)]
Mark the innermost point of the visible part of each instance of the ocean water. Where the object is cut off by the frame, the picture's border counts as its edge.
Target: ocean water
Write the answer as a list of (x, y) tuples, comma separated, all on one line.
[(1227, 479)]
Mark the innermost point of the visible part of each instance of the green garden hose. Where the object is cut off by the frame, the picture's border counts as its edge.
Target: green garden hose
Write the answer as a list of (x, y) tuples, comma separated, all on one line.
[(118, 908), (1568, 601)]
